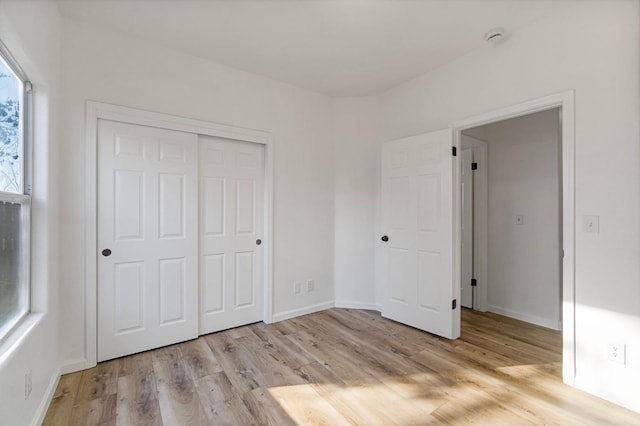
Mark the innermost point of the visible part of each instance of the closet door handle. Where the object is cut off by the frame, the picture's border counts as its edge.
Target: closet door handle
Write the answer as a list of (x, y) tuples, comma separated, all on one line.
[(106, 252), (258, 241), (385, 238)]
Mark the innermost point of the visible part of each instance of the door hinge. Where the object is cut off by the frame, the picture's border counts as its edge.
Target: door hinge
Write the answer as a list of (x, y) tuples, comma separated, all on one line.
[(474, 282), (454, 151), (474, 166), (454, 303)]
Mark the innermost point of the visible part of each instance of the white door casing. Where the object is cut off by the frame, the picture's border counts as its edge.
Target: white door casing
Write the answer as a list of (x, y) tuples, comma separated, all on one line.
[(418, 219), (566, 101), (466, 252), (96, 111), (480, 218), (231, 233), (147, 218)]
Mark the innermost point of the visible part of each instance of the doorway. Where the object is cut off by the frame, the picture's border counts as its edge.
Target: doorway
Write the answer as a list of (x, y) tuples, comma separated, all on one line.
[(565, 102), (519, 200)]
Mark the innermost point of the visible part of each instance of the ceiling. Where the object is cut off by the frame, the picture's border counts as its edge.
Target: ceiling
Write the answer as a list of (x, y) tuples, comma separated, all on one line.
[(337, 47)]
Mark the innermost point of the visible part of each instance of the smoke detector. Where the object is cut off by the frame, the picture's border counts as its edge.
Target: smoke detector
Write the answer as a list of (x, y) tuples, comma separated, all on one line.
[(494, 35)]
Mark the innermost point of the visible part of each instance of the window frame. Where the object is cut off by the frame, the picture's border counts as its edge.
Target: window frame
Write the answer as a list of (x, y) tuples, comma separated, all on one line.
[(24, 197)]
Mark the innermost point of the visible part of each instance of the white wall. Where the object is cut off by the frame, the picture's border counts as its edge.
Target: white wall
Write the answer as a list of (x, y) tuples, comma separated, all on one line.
[(524, 179), (592, 47), (113, 68), (31, 32), (356, 131)]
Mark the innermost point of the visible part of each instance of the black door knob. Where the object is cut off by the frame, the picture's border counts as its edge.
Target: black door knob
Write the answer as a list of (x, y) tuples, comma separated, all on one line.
[(385, 238), (106, 252), (258, 241)]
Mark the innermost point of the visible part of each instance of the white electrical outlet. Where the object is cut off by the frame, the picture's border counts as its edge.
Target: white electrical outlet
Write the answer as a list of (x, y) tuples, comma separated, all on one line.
[(616, 352), (297, 287), (311, 285), (27, 384)]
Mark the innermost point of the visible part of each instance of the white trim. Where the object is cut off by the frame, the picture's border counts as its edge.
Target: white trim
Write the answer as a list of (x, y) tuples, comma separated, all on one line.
[(302, 311), (480, 220), (564, 100), (543, 322), (41, 411), (481, 226), (348, 304), (75, 364), (98, 110), (14, 340), (456, 235)]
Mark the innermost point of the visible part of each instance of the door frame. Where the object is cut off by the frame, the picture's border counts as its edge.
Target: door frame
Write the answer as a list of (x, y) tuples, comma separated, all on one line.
[(565, 101), (480, 222), (99, 110)]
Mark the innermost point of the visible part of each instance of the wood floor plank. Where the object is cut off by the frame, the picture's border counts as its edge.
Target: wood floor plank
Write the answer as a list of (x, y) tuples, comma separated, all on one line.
[(265, 409), (216, 388), (472, 407), (513, 348), (229, 412), (335, 359), (137, 402), (63, 400), (241, 371), (238, 332), (290, 353), (340, 366), (332, 389), (535, 335), (305, 406), (97, 411), (275, 370), (137, 364), (515, 394), (199, 358), (178, 400), (98, 382)]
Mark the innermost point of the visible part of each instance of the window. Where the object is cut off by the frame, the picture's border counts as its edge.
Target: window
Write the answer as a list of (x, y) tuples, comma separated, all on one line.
[(15, 189)]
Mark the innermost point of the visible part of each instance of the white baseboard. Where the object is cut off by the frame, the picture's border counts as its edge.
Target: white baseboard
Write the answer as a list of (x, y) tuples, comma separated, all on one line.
[(302, 311), (543, 322), (357, 305), (76, 364), (41, 412), (627, 400)]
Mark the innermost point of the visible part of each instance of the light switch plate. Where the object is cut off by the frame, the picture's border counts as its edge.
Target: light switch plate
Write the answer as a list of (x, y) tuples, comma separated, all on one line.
[(591, 224)]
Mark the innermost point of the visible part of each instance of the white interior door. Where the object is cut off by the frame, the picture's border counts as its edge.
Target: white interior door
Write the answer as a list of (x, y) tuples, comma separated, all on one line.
[(417, 220), (466, 252), (147, 237), (231, 228)]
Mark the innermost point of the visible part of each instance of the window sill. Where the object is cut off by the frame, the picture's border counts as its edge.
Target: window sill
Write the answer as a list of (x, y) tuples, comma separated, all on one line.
[(17, 336)]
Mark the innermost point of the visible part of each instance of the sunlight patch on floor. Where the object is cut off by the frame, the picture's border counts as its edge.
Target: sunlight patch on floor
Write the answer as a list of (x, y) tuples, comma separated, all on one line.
[(528, 371), (305, 406), (395, 401)]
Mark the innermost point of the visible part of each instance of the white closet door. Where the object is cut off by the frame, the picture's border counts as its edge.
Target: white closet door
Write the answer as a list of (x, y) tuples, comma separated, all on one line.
[(417, 222), (231, 227), (147, 238)]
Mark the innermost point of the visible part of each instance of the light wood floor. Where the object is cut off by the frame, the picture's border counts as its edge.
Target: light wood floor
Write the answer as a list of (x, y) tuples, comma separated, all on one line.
[(335, 367)]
